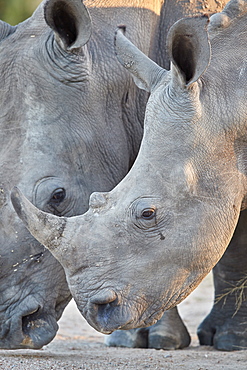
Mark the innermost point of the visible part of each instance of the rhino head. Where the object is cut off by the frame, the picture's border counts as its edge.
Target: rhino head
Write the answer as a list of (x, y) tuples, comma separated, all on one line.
[(33, 286), (143, 247), (71, 123)]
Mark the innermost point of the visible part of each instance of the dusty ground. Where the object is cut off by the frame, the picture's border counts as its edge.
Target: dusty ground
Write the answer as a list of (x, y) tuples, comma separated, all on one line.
[(78, 346)]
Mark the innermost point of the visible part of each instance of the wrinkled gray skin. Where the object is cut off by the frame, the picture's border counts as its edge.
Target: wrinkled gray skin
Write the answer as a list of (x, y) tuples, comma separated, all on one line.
[(69, 127), (170, 220), (72, 124)]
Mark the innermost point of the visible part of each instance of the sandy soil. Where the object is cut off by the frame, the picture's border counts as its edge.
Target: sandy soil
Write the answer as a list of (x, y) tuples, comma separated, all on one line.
[(78, 346)]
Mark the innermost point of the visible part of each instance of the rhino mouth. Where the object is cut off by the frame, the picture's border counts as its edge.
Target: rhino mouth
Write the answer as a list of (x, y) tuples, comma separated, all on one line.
[(114, 319), (110, 313)]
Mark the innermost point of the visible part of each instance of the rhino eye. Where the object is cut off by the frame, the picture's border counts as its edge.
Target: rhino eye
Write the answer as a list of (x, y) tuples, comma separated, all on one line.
[(148, 214), (58, 196)]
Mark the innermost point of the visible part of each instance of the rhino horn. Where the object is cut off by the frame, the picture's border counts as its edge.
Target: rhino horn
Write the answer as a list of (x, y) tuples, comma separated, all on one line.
[(189, 49), (145, 72), (235, 8), (45, 227), (70, 21), (232, 11)]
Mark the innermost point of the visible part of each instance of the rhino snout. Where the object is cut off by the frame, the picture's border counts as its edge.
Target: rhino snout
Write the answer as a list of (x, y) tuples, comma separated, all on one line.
[(100, 307), (32, 328), (38, 328), (106, 313)]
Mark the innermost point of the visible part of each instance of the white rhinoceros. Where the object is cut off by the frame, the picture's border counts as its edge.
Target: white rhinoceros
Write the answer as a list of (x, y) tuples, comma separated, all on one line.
[(72, 122)]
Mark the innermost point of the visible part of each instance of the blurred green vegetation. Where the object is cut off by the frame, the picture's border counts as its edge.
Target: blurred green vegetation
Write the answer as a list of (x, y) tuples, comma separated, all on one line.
[(16, 11)]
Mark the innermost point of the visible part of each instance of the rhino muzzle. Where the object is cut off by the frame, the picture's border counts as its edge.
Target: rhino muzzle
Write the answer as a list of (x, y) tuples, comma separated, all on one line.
[(105, 312), (32, 328)]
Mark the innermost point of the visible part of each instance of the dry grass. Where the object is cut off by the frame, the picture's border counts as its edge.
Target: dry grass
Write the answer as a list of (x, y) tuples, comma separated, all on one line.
[(238, 290)]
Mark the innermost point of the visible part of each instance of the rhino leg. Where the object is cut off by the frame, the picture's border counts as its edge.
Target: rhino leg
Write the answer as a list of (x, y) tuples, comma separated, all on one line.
[(134, 338), (168, 333), (225, 327)]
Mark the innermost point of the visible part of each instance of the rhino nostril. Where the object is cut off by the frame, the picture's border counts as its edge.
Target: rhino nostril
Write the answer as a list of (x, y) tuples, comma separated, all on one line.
[(104, 297), (29, 319)]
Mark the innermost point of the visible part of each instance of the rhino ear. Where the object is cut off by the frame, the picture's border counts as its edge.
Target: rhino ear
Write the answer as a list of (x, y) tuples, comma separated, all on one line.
[(145, 72), (6, 30), (189, 49), (70, 21)]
